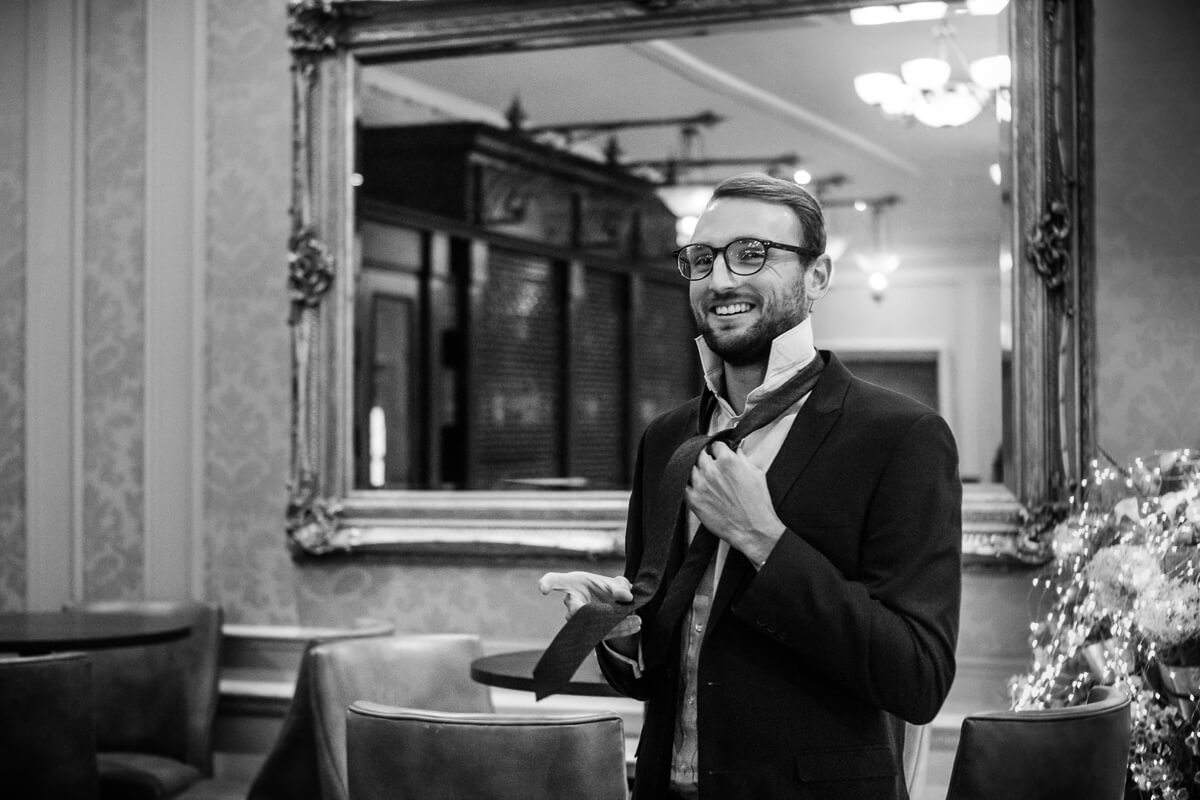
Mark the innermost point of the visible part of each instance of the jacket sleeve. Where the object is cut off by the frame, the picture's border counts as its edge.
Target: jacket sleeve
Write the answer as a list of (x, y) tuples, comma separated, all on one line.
[(620, 675), (888, 635)]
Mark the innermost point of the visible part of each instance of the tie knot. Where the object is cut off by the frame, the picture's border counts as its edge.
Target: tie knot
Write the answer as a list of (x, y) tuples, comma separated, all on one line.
[(772, 405), (730, 436)]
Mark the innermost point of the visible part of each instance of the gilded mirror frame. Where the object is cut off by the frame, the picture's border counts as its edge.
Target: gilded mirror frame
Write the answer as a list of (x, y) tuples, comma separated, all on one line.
[(1050, 236)]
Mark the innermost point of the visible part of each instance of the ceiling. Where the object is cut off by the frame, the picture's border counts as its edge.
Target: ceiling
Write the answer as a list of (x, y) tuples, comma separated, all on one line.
[(786, 88)]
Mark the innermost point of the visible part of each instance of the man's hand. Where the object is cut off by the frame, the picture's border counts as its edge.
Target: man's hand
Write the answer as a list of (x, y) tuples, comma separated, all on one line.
[(730, 496), (581, 588)]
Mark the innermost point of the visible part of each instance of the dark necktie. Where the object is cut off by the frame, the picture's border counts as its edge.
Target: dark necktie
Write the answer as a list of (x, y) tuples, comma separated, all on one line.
[(594, 621)]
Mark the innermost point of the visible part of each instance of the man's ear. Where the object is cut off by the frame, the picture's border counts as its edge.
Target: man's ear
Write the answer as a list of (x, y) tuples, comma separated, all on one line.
[(818, 277)]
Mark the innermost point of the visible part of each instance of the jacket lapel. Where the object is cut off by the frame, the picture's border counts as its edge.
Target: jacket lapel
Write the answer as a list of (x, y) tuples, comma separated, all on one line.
[(816, 418)]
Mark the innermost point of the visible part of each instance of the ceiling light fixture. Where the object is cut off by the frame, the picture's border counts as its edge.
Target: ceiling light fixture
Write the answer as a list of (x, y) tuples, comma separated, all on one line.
[(925, 92), (922, 11), (687, 198), (877, 259)]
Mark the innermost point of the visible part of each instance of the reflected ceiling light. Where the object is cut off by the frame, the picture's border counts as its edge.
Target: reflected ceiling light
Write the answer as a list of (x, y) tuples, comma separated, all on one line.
[(802, 177), (684, 228), (923, 11), (686, 201), (875, 15), (984, 8), (925, 92), (880, 261), (836, 246), (877, 283), (950, 107), (904, 12), (1003, 106), (926, 74), (991, 72)]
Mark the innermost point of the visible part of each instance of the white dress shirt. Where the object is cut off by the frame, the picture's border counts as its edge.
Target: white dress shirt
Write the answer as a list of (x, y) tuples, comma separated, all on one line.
[(790, 351)]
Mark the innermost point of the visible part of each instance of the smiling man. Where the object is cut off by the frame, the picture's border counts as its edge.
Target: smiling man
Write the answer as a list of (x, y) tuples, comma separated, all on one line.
[(805, 601)]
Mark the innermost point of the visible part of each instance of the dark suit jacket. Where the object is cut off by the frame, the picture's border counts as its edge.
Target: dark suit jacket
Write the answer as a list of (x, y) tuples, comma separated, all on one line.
[(810, 666)]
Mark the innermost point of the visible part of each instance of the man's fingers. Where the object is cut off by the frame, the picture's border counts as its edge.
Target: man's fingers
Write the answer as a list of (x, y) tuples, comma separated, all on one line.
[(573, 603), (622, 589), (626, 627), (718, 449)]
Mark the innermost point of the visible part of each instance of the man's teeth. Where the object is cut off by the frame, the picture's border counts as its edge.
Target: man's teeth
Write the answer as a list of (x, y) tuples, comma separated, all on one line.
[(731, 308)]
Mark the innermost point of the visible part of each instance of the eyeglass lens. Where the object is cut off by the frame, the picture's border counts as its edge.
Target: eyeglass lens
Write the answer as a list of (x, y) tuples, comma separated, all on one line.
[(743, 257)]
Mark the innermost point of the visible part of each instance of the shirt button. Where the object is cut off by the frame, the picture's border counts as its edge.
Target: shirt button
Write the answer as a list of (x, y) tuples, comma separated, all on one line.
[(691, 699), (699, 627)]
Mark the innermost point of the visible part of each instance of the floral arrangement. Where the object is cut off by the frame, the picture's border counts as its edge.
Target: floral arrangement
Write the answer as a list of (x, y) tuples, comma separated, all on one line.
[(1121, 597)]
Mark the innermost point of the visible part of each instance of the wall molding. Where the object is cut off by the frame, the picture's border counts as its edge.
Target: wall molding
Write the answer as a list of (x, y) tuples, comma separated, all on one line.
[(174, 259)]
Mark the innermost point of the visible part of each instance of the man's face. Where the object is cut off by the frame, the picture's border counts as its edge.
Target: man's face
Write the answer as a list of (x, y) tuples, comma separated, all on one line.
[(740, 315)]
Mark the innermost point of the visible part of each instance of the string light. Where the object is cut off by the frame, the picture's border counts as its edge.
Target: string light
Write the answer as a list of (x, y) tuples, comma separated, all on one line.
[(1124, 600)]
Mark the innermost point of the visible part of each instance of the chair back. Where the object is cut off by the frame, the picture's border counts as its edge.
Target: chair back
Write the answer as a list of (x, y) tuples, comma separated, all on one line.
[(308, 760), (403, 753), (160, 699), (1074, 753), (430, 671), (47, 738)]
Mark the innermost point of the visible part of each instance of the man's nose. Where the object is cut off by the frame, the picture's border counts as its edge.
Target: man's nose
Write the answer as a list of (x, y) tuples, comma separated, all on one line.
[(721, 276)]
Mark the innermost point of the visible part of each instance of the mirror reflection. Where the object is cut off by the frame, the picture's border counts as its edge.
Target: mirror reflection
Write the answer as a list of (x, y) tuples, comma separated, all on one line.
[(518, 316)]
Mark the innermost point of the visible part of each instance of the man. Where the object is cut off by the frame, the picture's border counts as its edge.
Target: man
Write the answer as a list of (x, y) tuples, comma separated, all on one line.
[(829, 612)]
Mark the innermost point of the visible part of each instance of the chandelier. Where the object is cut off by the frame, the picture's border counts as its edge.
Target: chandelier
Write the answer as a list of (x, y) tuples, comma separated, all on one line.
[(925, 92)]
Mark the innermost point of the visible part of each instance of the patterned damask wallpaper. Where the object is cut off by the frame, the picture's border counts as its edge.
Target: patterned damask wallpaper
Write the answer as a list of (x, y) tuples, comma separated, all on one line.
[(1148, 242), (248, 382), (113, 300), (12, 308)]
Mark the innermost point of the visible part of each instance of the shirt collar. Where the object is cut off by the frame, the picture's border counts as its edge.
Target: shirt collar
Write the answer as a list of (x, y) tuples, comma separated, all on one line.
[(790, 351)]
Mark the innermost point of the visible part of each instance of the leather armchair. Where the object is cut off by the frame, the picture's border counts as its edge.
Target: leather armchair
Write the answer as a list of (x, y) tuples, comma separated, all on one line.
[(156, 704), (47, 738), (308, 761), (401, 753), (1074, 753), (287, 769)]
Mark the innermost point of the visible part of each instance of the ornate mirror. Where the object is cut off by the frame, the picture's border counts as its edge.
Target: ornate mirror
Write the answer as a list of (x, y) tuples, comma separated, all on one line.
[(366, 269)]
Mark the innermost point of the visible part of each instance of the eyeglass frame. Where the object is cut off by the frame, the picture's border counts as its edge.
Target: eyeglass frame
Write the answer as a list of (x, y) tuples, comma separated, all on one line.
[(766, 243)]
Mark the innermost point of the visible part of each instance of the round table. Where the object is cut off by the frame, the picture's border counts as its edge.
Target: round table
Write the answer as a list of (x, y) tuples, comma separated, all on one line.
[(39, 632), (515, 671)]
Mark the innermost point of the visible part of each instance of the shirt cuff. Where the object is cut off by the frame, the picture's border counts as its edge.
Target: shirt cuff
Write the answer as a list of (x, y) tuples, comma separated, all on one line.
[(635, 665)]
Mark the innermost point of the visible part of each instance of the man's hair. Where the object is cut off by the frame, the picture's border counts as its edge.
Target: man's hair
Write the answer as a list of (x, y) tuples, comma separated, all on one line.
[(757, 186)]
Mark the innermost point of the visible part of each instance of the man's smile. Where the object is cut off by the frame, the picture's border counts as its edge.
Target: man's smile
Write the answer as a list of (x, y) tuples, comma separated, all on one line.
[(729, 309)]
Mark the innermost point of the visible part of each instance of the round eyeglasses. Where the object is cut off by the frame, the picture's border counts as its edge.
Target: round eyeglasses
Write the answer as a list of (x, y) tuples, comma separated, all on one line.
[(742, 256)]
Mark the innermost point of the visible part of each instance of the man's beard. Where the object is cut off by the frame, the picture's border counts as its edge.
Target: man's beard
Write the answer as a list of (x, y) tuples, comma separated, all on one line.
[(753, 345), (749, 347)]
